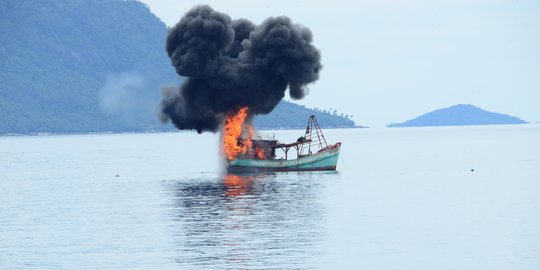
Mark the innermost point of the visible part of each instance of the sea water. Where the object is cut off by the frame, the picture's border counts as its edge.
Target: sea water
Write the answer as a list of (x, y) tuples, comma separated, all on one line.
[(403, 198)]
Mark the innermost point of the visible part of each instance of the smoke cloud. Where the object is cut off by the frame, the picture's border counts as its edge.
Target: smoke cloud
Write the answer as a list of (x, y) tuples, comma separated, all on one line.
[(229, 64)]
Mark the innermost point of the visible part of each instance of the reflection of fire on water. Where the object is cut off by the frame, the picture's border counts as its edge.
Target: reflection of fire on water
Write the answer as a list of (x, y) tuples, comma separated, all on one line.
[(237, 185), (237, 136)]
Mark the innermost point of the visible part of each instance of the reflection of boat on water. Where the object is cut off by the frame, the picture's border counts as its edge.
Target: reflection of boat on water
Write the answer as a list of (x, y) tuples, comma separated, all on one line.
[(237, 185), (312, 154)]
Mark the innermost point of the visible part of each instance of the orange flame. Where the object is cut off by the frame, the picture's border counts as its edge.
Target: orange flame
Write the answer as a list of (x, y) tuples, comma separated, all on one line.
[(247, 141), (233, 142), (232, 130), (259, 153)]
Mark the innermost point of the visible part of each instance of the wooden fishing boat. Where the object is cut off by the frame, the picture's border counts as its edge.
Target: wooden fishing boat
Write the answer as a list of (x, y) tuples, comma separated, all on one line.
[(312, 154)]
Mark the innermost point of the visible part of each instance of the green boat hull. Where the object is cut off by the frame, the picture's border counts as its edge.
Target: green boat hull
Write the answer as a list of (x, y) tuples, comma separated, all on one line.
[(322, 161)]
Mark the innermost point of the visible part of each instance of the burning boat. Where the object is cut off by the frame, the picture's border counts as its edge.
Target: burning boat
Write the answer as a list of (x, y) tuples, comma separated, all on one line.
[(233, 70), (312, 153)]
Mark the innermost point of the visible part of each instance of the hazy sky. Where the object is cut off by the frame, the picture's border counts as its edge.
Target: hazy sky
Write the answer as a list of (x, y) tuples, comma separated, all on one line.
[(389, 61)]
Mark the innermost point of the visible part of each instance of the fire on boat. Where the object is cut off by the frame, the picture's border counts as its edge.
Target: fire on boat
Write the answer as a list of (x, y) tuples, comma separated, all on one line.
[(249, 155)]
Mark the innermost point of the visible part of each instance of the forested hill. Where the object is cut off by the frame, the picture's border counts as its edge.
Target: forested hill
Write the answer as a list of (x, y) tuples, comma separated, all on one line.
[(89, 66), (58, 56)]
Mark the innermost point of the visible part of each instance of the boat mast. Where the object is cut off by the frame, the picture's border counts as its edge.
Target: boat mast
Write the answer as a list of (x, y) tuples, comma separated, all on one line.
[(317, 138)]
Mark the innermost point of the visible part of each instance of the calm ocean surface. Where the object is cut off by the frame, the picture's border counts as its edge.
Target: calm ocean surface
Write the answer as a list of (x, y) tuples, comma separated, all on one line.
[(409, 198)]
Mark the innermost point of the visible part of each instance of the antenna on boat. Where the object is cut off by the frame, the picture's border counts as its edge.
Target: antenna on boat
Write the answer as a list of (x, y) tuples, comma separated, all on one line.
[(313, 135)]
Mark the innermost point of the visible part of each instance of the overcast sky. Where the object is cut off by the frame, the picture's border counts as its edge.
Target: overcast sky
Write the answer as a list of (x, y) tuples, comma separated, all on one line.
[(389, 61)]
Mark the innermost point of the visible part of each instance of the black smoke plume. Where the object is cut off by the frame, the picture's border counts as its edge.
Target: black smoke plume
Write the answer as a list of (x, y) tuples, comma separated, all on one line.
[(229, 64)]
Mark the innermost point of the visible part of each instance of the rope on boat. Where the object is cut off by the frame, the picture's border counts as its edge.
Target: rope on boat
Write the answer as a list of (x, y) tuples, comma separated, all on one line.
[(342, 161)]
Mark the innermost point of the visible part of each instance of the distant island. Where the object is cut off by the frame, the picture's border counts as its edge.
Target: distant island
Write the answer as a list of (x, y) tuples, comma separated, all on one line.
[(459, 115), (96, 66)]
